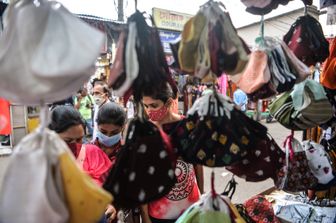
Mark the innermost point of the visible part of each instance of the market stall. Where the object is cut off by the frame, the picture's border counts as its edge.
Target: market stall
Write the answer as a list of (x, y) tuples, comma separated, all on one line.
[(158, 167)]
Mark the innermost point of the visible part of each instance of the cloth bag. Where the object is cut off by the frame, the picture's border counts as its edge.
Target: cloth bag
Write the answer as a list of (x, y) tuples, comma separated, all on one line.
[(306, 39), (318, 162), (260, 210), (60, 191), (295, 176), (260, 163), (213, 135), (282, 109), (33, 183), (41, 56), (144, 169), (211, 208), (256, 73), (311, 104)]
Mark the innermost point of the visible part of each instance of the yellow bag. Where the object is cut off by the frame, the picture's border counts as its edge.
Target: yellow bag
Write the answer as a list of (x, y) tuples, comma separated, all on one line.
[(86, 201), (191, 34)]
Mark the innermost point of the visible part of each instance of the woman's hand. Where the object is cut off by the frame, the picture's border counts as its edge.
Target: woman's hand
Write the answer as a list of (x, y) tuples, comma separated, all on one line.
[(111, 213)]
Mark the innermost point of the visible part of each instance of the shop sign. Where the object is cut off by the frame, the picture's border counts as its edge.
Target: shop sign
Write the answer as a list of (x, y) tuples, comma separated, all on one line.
[(166, 19), (168, 37)]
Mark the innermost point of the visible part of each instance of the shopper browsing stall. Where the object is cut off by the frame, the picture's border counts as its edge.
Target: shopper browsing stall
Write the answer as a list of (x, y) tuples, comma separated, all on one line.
[(67, 122), (158, 105), (111, 120)]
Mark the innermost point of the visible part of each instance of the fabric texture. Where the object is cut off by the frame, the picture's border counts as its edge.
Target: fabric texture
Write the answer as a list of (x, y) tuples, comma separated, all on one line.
[(260, 163), (306, 39), (42, 61), (145, 157), (260, 210)]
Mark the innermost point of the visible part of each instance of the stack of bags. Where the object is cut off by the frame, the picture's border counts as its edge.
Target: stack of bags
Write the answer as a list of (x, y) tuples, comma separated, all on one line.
[(210, 43), (272, 69), (307, 106)]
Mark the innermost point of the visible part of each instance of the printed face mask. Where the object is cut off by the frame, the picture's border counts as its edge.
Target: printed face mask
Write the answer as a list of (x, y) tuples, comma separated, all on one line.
[(158, 115), (108, 141)]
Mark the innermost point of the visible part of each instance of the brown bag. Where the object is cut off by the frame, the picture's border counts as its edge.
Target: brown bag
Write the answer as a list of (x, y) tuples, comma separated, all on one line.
[(256, 73)]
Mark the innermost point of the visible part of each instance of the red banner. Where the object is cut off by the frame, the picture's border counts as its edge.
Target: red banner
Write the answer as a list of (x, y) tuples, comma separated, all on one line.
[(5, 124)]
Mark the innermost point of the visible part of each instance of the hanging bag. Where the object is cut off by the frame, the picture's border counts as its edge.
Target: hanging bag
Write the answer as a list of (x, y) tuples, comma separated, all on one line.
[(39, 200), (306, 39), (144, 169), (39, 48), (295, 176), (261, 163), (212, 134)]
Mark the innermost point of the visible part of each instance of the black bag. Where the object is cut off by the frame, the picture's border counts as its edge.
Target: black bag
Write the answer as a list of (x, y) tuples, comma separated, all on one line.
[(144, 169), (217, 140)]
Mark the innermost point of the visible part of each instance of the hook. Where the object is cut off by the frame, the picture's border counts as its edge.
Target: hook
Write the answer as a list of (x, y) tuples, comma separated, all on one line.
[(305, 9), (261, 39)]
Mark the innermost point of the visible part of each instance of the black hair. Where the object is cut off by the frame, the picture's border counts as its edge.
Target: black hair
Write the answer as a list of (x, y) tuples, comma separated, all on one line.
[(159, 92), (64, 117), (111, 113)]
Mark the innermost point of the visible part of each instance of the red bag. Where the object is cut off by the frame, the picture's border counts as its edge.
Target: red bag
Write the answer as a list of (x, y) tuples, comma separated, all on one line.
[(261, 163)]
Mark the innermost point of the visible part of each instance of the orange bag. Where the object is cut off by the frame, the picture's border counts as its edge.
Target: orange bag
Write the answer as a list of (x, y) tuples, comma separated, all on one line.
[(256, 73), (328, 75)]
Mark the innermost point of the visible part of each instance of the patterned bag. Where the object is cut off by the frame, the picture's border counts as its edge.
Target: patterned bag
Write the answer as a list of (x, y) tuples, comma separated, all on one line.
[(306, 39), (295, 176), (146, 157), (215, 133), (260, 210), (261, 163)]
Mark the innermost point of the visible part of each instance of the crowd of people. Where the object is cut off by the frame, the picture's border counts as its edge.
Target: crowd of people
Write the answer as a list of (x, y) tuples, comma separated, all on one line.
[(93, 125)]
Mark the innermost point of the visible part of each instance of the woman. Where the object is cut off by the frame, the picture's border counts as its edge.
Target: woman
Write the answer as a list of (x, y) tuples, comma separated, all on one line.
[(158, 104), (67, 122), (111, 120)]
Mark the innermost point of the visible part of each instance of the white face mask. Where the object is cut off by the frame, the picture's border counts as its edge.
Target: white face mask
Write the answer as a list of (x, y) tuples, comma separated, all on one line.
[(99, 100)]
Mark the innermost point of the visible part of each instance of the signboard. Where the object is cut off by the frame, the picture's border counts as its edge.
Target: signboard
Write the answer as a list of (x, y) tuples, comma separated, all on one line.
[(165, 19), (168, 37)]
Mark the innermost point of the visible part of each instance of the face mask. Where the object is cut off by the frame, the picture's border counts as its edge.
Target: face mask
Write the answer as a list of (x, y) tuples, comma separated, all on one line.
[(108, 141), (73, 147), (99, 100), (158, 115)]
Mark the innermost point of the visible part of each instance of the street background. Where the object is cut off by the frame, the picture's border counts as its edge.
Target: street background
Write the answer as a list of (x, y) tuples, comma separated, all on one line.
[(244, 189)]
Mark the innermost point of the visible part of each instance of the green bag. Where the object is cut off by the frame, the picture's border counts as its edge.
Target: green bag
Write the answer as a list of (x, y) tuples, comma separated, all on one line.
[(311, 104), (282, 109)]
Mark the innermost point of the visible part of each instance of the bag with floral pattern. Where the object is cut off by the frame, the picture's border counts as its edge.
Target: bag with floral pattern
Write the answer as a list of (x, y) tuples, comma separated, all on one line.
[(296, 175)]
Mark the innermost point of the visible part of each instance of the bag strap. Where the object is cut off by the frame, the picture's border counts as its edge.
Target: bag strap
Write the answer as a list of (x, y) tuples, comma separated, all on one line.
[(81, 157)]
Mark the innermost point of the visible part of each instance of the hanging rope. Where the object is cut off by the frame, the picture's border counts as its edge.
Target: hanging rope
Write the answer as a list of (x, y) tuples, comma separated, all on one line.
[(136, 5)]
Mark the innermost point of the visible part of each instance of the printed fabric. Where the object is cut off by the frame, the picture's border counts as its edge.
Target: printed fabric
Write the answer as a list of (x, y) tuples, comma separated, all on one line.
[(260, 210), (183, 194)]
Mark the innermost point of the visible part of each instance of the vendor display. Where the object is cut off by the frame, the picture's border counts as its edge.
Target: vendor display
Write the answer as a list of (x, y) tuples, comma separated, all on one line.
[(46, 183)]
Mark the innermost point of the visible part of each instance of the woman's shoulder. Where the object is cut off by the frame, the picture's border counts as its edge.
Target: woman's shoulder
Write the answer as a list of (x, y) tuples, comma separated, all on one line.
[(92, 148)]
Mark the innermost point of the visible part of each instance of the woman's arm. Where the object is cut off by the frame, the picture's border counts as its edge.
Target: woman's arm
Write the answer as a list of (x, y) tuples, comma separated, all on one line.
[(144, 214), (199, 177)]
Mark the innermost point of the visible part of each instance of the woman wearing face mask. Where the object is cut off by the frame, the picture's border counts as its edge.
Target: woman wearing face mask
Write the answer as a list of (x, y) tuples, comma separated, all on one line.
[(158, 104), (67, 122), (111, 120)]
